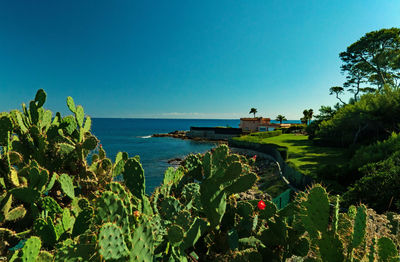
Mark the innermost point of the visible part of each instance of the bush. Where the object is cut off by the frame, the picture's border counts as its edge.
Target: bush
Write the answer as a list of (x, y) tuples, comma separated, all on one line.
[(294, 128), (375, 152), (380, 185), (312, 129), (372, 118)]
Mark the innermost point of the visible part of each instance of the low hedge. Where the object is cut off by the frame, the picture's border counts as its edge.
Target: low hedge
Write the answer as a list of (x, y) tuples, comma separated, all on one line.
[(267, 134), (294, 128)]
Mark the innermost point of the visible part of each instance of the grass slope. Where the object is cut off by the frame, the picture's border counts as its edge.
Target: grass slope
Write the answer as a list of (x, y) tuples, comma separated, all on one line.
[(303, 153)]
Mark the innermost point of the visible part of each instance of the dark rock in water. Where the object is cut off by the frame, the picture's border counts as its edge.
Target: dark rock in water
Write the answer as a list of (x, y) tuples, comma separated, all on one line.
[(175, 161), (174, 134), (178, 132)]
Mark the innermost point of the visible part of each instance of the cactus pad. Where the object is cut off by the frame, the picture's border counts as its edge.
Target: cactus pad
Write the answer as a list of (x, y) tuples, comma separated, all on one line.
[(142, 243), (79, 114), (134, 177), (387, 250), (111, 242), (44, 256), (88, 124), (82, 221), (5, 127), (40, 98), (71, 104), (90, 143), (169, 207), (50, 205), (16, 213), (316, 211), (67, 185), (331, 249), (67, 219), (197, 229), (175, 234), (360, 224), (110, 208), (31, 249), (25, 194), (243, 183), (46, 231), (64, 149)]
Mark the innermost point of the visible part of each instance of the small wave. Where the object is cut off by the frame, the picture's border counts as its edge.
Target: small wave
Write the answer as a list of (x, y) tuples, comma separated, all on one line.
[(145, 136)]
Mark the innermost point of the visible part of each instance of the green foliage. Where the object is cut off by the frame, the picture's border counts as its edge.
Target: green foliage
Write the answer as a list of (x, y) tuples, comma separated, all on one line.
[(375, 152), (373, 58), (266, 134), (200, 211), (379, 185), (374, 117), (280, 118), (256, 137)]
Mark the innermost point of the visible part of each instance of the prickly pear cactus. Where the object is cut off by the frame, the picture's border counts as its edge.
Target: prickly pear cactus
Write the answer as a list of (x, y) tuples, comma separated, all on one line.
[(142, 243), (316, 213), (134, 177), (387, 250), (360, 224), (31, 249), (67, 185), (111, 242)]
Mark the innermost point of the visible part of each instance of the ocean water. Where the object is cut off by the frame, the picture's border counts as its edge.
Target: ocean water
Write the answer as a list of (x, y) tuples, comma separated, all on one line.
[(133, 136)]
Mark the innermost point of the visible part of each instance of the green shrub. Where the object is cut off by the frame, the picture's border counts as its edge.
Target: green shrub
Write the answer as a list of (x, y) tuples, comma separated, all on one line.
[(372, 118), (266, 134), (375, 152), (379, 186)]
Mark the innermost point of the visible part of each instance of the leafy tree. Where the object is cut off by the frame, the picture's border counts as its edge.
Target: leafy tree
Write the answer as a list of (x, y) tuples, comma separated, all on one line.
[(325, 113), (374, 58), (356, 76), (374, 117), (337, 90), (281, 118), (253, 111)]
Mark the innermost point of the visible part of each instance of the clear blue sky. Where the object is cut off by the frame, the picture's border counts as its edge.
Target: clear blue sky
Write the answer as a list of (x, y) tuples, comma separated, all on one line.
[(181, 59)]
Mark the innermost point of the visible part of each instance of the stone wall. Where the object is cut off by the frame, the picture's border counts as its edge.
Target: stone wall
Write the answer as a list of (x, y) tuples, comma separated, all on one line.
[(213, 133), (295, 178)]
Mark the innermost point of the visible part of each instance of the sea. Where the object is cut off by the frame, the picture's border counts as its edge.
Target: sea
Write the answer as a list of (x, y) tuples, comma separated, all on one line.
[(133, 135)]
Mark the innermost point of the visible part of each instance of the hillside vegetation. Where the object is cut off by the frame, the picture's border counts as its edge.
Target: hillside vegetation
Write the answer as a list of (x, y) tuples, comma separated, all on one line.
[(56, 206)]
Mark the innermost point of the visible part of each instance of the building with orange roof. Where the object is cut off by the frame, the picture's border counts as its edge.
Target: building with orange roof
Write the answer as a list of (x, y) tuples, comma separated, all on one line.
[(258, 124)]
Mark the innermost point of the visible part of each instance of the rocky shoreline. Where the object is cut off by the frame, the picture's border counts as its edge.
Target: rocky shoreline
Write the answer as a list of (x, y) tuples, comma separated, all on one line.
[(183, 135)]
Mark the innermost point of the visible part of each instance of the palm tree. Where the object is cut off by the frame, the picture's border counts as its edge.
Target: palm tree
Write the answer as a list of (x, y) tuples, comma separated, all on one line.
[(308, 114), (253, 111), (280, 118)]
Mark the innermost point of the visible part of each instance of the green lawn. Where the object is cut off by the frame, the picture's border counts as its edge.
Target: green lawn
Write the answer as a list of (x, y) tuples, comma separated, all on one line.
[(303, 154)]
